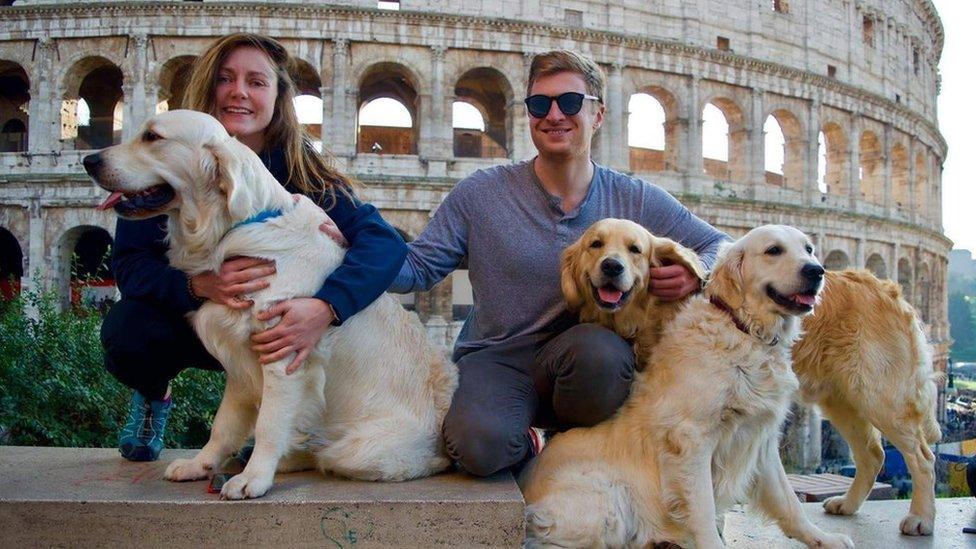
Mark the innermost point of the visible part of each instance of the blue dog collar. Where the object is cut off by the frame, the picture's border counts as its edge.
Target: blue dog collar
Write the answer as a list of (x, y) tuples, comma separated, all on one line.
[(259, 217)]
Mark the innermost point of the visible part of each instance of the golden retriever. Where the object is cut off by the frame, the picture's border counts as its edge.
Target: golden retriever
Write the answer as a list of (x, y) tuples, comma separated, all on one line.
[(604, 277), (700, 430), (863, 358), (368, 403)]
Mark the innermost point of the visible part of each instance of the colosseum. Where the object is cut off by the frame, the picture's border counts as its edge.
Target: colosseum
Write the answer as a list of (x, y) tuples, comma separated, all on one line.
[(841, 94)]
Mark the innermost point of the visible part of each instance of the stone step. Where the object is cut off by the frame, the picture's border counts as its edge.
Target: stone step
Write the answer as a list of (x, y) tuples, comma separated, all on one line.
[(82, 497), (875, 526)]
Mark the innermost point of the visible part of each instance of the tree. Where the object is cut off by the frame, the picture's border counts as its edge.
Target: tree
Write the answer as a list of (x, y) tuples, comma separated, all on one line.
[(962, 321)]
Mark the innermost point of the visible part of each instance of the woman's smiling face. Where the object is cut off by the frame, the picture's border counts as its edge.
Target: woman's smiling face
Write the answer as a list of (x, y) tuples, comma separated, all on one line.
[(245, 95)]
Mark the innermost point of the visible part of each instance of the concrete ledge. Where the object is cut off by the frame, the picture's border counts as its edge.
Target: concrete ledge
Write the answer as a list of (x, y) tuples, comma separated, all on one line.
[(92, 497), (875, 526)]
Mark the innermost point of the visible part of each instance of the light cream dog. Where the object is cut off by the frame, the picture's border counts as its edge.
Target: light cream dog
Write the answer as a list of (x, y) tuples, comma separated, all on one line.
[(700, 430), (369, 401), (863, 358)]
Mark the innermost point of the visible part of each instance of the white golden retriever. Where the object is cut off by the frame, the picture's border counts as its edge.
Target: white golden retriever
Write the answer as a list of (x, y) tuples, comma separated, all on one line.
[(369, 401), (700, 430)]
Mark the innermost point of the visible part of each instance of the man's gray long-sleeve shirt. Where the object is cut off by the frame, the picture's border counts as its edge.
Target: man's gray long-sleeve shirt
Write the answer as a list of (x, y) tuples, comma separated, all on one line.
[(513, 231)]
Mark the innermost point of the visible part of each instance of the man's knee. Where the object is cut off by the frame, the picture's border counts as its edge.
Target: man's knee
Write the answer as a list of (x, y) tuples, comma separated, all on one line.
[(595, 375), (481, 446), (594, 354)]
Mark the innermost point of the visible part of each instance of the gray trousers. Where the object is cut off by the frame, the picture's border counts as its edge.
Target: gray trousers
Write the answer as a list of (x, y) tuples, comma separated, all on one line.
[(575, 378)]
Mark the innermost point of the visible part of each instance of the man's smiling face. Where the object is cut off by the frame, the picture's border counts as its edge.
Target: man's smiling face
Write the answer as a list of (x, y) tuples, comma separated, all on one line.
[(557, 135)]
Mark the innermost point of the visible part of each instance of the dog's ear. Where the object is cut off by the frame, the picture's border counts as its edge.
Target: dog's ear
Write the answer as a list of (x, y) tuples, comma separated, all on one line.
[(668, 252), (569, 277), (227, 172), (725, 281)]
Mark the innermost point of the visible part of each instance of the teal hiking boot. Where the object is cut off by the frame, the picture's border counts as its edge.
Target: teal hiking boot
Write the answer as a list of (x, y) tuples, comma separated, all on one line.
[(142, 437)]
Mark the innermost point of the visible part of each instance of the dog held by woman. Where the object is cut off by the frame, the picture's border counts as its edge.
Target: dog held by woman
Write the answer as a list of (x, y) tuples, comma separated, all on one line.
[(700, 430), (369, 401), (863, 357)]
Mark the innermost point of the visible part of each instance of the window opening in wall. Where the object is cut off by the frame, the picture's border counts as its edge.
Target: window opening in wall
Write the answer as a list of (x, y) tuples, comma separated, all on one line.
[(385, 126), (308, 108), (868, 28), (915, 61), (646, 136), (387, 5), (831, 71), (775, 150), (897, 98), (574, 18), (723, 43), (781, 6)]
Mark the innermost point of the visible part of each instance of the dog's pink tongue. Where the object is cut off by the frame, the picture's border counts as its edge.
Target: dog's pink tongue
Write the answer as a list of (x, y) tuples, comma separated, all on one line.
[(112, 200), (805, 299), (610, 295)]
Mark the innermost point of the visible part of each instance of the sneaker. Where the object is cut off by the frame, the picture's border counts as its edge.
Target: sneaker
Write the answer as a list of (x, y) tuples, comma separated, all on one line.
[(538, 437), (142, 437)]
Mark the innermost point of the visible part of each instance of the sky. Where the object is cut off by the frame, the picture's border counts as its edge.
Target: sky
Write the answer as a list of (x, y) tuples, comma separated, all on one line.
[(957, 121)]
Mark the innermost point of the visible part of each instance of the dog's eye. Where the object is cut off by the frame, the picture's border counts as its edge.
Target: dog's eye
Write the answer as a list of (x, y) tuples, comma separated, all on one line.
[(774, 250), (151, 136), (597, 244), (634, 249), (809, 249)]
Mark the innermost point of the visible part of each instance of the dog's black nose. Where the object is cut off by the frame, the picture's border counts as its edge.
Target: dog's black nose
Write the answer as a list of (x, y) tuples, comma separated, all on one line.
[(812, 271), (92, 163), (611, 267)]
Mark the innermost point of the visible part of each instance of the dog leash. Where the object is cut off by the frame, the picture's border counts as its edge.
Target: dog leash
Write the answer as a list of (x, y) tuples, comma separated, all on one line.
[(724, 307)]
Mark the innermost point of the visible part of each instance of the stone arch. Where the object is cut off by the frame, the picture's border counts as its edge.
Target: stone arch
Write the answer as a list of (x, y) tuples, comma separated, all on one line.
[(876, 264), (836, 260), (924, 283), (921, 184), (736, 168), (14, 101), (82, 272), (174, 76), (900, 189), (836, 152), (790, 175), (11, 265), (653, 159), (394, 81), (905, 278), (490, 92), (871, 168), (308, 95), (98, 82)]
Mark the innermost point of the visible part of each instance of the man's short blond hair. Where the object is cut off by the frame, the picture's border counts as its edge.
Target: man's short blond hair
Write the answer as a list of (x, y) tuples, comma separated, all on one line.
[(557, 61)]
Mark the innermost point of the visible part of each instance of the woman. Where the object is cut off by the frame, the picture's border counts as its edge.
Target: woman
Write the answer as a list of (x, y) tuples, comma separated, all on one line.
[(243, 81)]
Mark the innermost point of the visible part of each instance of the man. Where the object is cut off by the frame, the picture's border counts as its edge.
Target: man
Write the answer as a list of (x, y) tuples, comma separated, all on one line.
[(523, 359)]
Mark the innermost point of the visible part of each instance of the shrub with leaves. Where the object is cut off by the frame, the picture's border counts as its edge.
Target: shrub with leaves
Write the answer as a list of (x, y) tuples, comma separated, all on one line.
[(55, 391)]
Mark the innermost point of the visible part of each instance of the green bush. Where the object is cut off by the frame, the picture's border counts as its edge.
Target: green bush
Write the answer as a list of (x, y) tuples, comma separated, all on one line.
[(55, 391)]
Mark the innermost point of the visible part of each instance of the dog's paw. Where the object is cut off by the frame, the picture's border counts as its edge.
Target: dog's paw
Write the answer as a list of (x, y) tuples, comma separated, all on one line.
[(914, 525), (187, 469), (838, 505), (246, 486), (833, 541)]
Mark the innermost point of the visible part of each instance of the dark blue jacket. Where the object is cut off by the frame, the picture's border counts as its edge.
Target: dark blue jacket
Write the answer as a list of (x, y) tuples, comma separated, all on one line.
[(373, 260)]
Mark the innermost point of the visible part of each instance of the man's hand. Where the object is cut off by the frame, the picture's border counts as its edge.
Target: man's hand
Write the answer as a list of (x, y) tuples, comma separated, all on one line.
[(303, 321), (672, 282), (237, 276)]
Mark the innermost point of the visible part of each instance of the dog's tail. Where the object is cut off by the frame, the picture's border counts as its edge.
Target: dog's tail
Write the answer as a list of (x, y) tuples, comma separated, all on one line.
[(927, 380)]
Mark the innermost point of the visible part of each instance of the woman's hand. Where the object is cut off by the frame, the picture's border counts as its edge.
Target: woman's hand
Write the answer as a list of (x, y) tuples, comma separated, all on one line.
[(237, 276), (672, 282), (303, 321)]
